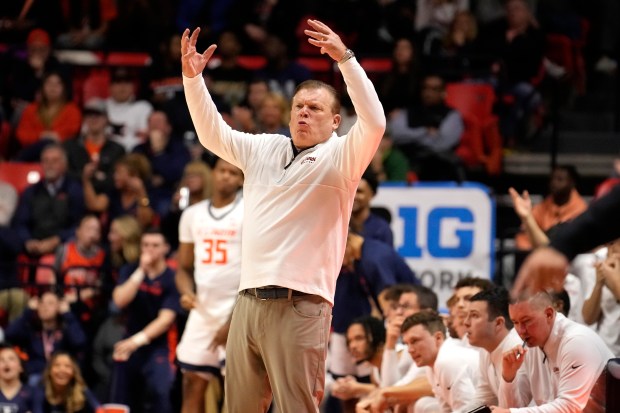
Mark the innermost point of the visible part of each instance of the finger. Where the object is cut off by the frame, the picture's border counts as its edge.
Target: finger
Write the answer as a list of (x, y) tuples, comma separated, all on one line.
[(526, 195), (318, 25), (209, 52), (194, 37)]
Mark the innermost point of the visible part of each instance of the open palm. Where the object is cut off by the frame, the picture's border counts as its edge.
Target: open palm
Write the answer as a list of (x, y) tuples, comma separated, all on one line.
[(192, 62)]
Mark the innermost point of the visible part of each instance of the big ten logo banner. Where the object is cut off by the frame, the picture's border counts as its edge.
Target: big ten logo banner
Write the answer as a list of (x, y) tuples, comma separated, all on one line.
[(445, 232)]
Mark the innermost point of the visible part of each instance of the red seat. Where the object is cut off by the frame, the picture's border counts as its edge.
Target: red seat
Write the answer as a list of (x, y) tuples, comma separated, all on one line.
[(481, 143), (252, 62), (20, 174), (96, 85), (380, 64), (322, 68)]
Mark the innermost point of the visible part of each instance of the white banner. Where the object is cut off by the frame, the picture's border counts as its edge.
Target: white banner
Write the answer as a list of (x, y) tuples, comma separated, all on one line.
[(444, 231)]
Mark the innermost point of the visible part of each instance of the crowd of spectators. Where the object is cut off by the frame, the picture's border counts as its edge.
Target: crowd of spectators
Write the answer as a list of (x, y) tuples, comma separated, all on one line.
[(124, 159)]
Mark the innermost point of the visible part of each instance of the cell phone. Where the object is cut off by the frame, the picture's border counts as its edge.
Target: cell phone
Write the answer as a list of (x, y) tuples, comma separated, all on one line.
[(481, 409)]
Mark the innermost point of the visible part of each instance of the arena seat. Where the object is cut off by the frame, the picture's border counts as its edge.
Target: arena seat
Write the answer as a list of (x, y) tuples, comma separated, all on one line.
[(113, 408), (20, 174)]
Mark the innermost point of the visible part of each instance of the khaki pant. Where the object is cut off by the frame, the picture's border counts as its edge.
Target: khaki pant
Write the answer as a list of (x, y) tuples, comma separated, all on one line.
[(277, 347)]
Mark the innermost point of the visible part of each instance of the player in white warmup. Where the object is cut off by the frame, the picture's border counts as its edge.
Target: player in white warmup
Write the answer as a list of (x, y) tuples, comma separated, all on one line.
[(210, 249)]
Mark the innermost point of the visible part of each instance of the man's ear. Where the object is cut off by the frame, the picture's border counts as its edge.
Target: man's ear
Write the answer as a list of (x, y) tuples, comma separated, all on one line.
[(336, 121)]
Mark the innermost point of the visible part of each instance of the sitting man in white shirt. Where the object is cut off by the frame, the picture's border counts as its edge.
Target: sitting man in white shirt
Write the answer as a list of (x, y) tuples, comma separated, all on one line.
[(365, 342), (452, 368), (563, 362), (402, 382), (489, 328)]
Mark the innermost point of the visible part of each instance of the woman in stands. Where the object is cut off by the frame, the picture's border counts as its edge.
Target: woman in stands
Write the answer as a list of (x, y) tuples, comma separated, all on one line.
[(53, 117), (63, 389), (14, 394)]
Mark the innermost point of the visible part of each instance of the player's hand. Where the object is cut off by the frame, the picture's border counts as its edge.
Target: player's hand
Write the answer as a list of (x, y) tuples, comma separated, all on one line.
[(544, 269), (511, 361), (192, 62), (123, 349), (324, 38), (188, 301), (221, 336)]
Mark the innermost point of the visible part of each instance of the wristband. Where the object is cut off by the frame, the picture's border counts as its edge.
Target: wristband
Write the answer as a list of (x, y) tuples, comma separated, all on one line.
[(137, 276), (140, 339)]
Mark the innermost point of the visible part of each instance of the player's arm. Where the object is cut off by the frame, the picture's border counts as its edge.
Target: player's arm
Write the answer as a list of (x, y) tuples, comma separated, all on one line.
[(124, 293), (160, 325), (405, 394), (184, 276)]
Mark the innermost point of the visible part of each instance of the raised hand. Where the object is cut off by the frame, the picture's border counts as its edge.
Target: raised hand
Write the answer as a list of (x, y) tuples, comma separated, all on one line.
[(192, 62), (522, 203), (326, 39)]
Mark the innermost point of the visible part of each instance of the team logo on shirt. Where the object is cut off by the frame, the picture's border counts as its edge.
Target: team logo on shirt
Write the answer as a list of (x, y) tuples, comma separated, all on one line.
[(308, 159)]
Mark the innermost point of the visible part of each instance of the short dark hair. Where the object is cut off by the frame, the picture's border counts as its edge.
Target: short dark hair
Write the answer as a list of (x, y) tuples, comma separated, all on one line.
[(571, 170), (497, 299), (317, 84), (427, 298), (482, 283), (374, 329), (431, 321), (371, 179)]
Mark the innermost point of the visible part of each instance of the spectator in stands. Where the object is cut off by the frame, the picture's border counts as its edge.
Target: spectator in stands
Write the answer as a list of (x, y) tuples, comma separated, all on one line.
[(148, 294), (46, 326), (167, 155), (87, 23), (63, 389), (127, 116), (124, 248), (26, 75), (452, 369), (456, 54), (433, 19), (49, 210), (13, 298), (52, 118), (562, 204), (489, 328), (94, 146), (365, 342), (282, 73), (15, 395), (79, 265), (518, 43), (389, 163), (363, 220), (165, 71), (257, 20), (273, 115), (602, 305), (563, 361), (195, 186), (245, 115), (401, 83), (429, 132), (129, 195), (140, 25), (228, 79)]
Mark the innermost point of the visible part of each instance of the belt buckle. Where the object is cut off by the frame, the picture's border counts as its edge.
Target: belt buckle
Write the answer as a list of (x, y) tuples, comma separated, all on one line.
[(257, 296)]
